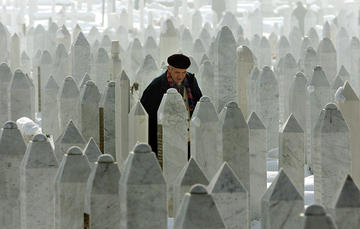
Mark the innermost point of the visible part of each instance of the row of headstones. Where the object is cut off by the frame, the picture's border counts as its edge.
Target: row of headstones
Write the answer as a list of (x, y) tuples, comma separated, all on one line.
[(138, 197)]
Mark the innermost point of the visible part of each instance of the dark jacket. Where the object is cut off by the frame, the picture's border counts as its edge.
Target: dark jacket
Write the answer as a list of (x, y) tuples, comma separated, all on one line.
[(152, 97)]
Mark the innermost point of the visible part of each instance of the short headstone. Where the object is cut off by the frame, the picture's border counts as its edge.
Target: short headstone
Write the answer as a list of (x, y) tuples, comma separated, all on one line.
[(50, 113), (292, 152), (257, 155), (37, 173), (190, 175), (102, 201), (71, 136), (12, 150), (80, 56), (108, 103), (281, 204), (231, 198), (347, 205), (68, 102), (234, 133), (89, 111), (172, 132), (5, 78), (20, 97), (138, 125), (316, 218), (70, 185), (92, 152), (198, 201), (142, 190)]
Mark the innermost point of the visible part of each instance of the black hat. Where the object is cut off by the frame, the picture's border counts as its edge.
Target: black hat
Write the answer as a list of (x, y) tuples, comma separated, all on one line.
[(179, 61)]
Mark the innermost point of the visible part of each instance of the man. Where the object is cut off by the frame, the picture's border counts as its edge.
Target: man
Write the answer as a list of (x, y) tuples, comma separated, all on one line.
[(176, 77)]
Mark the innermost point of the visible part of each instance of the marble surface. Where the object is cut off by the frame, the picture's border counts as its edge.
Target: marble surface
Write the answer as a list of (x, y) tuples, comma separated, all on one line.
[(327, 57), (49, 118), (205, 138), (206, 80), (142, 190), (281, 204), (231, 198), (169, 40), (68, 103), (37, 173), (335, 154), (5, 78), (102, 69), (92, 152), (146, 72), (235, 142), (102, 201), (191, 174), (108, 103), (245, 64), (116, 64), (292, 152), (12, 150), (46, 63), (122, 108), (70, 184), (70, 137), (61, 67), (89, 111), (172, 117), (315, 217), (20, 97), (252, 92), (347, 205), (257, 155), (197, 202), (80, 57), (138, 125), (15, 52)]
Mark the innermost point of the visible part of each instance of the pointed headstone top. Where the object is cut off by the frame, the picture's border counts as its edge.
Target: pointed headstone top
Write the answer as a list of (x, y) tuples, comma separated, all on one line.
[(71, 134), (106, 158), (326, 46), (315, 210), (69, 88), (92, 150), (81, 40), (349, 93), (254, 122), (168, 28), (300, 77), (124, 76), (282, 189), (138, 109), (198, 189), (343, 72), (205, 110), (319, 78), (349, 196), (338, 82), (84, 80), (292, 125), (46, 58), (226, 36), (10, 125), (74, 150), (231, 117), (5, 72), (331, 106), (171, 91), (142, 148), (245, 54), (39, 138), (289, 61), (225, 181), (51, 84), (191, 174)]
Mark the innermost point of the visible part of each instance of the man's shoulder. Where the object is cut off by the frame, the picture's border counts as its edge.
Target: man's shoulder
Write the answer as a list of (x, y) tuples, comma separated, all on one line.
[(157, 81)]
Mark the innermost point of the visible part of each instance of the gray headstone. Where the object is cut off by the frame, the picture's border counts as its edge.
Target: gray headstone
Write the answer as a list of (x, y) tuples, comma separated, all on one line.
[(61, 66), (310, 62), (5, 78), (295, 41), (70, 185), (281, 204), (252, 90), (198, 50), (151, 48), (102, 69), (50, 113), (298, 98), (12, 150), (15, 52), (80, 56), (142, 189), (46, 65), (231, 198), (327, 58), (116, 63), (147, 70), (354, 62), (316, 218), (37, 173), (25, 62), (138, 125), (342, 44), (282, 48), (264, 53), (169, 40), (63, 37), (3, 43), (102, 194), (206, 80), (92, 152)]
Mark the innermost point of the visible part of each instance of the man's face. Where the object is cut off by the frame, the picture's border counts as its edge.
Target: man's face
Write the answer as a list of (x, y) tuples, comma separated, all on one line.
[(177, 74)]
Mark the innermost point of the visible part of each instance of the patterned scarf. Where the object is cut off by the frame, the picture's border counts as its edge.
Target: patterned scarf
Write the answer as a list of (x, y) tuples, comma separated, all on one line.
[(188, 91)]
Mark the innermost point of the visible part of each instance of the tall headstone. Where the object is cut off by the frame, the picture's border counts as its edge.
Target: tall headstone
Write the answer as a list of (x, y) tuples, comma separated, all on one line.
[(335, 154), (225, 67), (70, 186), (231, 198), (349, 105), (20, 96), (5, 78), (49, 119), (206, 80), (281, 204), (257, 154), (102, 69), (102, 201), (282, 47), (234, 133), (169, 40), (347, 205), (198, 202), (292, 152), (142, 190), (244, 67), (3, 43), (61, 64), (316, 218), (108, 103), (12, 150), (252, 92), (15, 52), (68, 103), (327, 58), (264, 53), (310, 62), (89, 111), (37, 173), (138, 125), (122, 108), (63, 37), (80, 56), (190, 175), (204, 136), (342, 44), (297, 99), (354, 62), (268, 105), (46, 65), (146, 72), (172, 132), (71, 136), (298, 15), (116, 64)]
